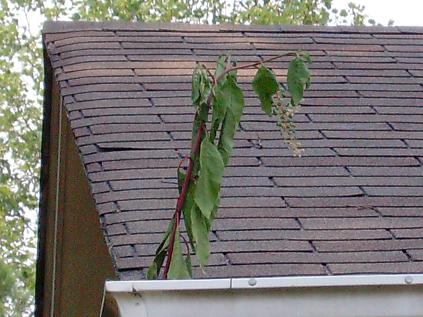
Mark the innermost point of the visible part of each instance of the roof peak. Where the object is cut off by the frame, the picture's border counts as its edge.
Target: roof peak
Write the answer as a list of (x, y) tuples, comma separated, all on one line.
[(70, 26)]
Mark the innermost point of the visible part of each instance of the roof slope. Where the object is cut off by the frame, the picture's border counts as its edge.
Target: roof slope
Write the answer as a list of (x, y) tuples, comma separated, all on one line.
[(352, 204)]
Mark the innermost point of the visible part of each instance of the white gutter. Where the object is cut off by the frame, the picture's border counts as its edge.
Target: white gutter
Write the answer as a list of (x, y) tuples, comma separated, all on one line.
[(396, 295)]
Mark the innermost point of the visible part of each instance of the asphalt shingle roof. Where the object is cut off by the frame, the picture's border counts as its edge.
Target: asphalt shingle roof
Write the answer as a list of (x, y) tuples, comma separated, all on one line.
[(352, 204)]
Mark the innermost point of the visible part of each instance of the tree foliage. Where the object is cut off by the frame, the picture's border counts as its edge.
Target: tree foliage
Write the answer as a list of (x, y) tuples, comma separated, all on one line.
[(21, 76)]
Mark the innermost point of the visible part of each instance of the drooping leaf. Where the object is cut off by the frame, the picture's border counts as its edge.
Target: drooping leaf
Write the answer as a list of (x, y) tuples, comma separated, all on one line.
[(186, 209), (306, 57), (201, 86), (195, 128), (196, 83), (154, 268), (201, 235), (213, 215), (234, 99), (298, 79), (188, 264), (218, 110), (161, 251), (210, 178), (181, 180), (221, 64), (265, 86), (203, 111), (226, 140), (178, 269)]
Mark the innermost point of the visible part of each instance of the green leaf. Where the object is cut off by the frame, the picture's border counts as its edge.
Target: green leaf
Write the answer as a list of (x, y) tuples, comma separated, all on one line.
[(213, 215), (201, 86), (154, 269), (201, 235), (234, 98), (221, 64), (188, 264), (218, 110), (196, 83), (186, 209), (178, 269), (203, 111), (210, 178), (298, 79), (196, 126), (265, 86), (181, 180)]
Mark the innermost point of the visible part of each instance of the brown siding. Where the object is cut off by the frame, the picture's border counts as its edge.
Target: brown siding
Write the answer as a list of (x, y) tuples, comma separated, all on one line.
[(82, 259)]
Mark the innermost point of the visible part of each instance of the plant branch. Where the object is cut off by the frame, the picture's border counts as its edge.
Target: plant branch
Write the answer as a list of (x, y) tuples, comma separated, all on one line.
[(252, 65), (195, 150)]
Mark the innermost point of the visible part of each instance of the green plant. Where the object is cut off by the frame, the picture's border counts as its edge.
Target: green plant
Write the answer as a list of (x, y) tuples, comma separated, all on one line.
[(199, 187)]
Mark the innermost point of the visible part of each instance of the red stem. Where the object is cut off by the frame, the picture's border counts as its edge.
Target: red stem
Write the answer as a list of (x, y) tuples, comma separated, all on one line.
[(181, 200), (251, 65)]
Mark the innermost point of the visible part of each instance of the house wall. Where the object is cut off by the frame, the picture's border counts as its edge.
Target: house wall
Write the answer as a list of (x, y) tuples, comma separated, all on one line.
[(82, 262)]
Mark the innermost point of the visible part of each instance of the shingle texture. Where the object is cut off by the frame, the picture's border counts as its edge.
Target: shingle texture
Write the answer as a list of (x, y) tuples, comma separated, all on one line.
[(352, 204)]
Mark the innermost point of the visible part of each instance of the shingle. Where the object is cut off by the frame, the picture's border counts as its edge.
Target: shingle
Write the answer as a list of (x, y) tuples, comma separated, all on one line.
[(293, 171), (416, 255), (254, 223), (355, 201), (364, 223), (407, 233), (368, 245), (387, 171), (389, 191), (362, 234), (348, 181), (379, 152), (317, 258), (377, 268), (108, 103), (271, 270), (402, 211), (127, 155), (352, 203), (255, 246), (340, 161), (145, 261)]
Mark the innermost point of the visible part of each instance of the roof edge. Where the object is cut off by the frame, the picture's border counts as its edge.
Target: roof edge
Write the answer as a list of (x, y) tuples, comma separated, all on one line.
[(44, 175), (71, 26)]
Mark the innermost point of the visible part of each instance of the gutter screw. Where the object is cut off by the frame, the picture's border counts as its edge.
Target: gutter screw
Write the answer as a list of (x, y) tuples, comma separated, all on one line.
[(252, 282), (408, 280)]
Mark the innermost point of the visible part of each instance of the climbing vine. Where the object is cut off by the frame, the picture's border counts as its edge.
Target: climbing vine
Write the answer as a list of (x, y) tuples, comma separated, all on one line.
[(199, 185)]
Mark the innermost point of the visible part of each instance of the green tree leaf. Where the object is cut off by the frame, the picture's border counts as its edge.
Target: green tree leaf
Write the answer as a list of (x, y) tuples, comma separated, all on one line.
[(265, 86), (201, 86), (178, 268), (154, 269), (201, 235), (234, 99), (196, 86), (218, 111), (210, 178), (186, 209), (298, 79), (221, 64), (188, 264)]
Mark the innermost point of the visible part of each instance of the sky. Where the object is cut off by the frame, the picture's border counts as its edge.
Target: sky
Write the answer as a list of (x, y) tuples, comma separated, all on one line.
[(403, 12)]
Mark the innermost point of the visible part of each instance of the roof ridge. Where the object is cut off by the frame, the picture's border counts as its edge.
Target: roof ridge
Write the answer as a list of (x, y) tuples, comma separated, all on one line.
[(71, 26)]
